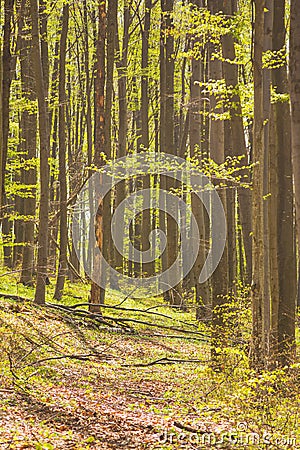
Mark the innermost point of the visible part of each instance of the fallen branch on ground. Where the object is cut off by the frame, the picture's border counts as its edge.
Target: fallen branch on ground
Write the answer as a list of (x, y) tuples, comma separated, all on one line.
[(144, 311), (188, 428), (174, 336), (165, 361), (106, 320), (88, 315), (83, 357), (121, 320), (15, 297)]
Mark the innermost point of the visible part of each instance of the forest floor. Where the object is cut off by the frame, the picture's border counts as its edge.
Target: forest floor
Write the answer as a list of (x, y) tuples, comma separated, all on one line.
[(70, 381)]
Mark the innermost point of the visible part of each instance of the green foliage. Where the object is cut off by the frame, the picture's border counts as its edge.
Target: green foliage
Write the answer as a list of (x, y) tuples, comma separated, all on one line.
[(279, 97), (159, 395), (274, 59), (234, 172)]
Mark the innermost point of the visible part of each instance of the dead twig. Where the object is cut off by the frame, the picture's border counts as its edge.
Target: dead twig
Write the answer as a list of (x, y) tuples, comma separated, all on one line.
[(143, 311), (165, 361), (188, 428), (15, 297), (83, 357), (174, 336)]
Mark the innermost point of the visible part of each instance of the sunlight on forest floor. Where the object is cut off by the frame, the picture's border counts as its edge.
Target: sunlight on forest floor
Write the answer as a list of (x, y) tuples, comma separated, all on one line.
[(67, 383)]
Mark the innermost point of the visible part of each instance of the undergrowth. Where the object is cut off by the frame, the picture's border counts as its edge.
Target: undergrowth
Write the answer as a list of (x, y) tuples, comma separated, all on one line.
[(68, 381)]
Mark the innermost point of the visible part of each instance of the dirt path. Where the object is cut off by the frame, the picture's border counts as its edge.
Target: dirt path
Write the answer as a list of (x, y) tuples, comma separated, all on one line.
[(100, 416)]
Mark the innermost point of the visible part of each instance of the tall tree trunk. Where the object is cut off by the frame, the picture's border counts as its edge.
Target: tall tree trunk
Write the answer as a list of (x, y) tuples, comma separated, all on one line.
[(53, 200), (198, 210), (148, 268), (54, 191), (268, 29), (6, 84), (294, 71), (44, 154), (237, 135), (103, 134), (6, 76), (258, 282), (162, 129), (62, 177), (174, 294), (137, 185), (217, 153), (43, 14), (97, 293), (29, 133), (110, 58), (123, 118), (89, 128), (18, 225), (285, 221), (1, 130), (230, 72)]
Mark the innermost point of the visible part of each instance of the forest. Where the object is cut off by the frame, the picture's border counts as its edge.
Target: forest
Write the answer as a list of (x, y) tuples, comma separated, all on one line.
[(150, 224)]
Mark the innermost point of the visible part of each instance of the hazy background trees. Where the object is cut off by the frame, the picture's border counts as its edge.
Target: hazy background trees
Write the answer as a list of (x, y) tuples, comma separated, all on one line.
[(85, 83)]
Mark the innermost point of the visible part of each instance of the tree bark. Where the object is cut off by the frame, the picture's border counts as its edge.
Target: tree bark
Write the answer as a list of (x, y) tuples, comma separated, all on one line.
[(238, 136), (285, 205), (195, 133), (44, 154), (258, 282), (174, 294), (6, 84), (148, 268), (103, 134), (268, 32), (123, 117), (294, 71), (162, 93), (217, 153), (97, 293), (63, 226)]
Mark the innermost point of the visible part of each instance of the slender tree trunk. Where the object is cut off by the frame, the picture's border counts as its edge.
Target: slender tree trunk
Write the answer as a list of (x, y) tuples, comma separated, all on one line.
[(54, 191), (89, 128), (18, 226), (111, 45), (103, 134), (148, 268), (268, 29), (1, 130), (174, 294), (273, 229), (44, 154), (258, 282), (195, 132), (217, 153), (161, 127), (43, 14), (30, 134), (6, 84), (63, 226), (282, 251), (231, 149), (6, 75), (238, 136), (137, 185), (97, 294), (294, 71), (285, 207), (123, 118)]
